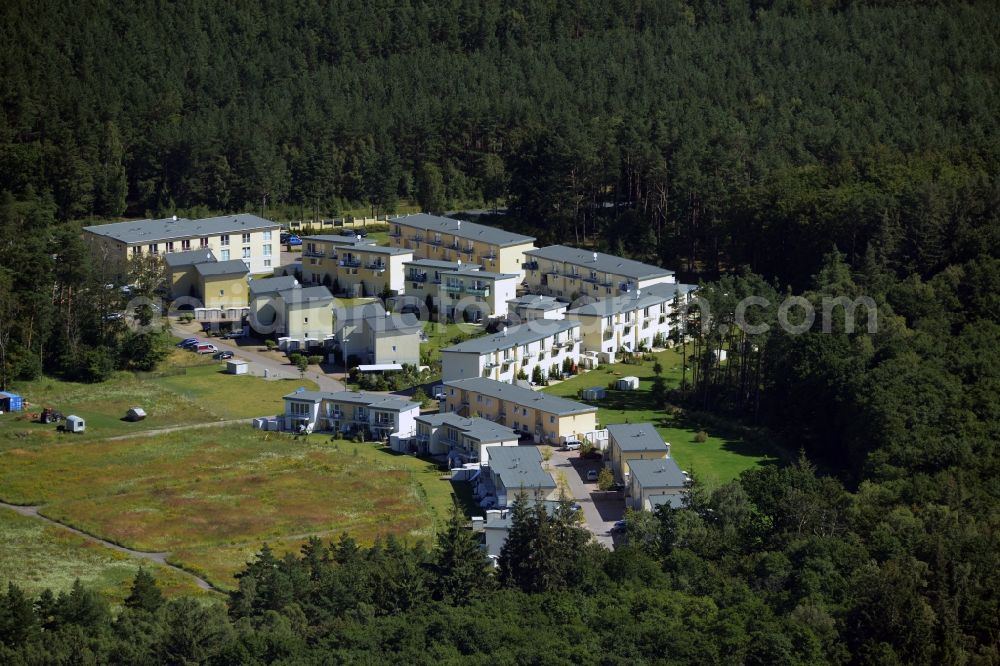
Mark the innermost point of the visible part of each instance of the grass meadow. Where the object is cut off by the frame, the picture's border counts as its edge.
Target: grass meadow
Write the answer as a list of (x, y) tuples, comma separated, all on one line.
[(209, 496), (36, 556), (715, 461), (199, 494)]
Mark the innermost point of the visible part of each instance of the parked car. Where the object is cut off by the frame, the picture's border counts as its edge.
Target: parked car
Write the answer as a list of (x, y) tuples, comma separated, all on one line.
[(222, 355), (618, 526), (438, 392), (592, 475), (572, 445), (205, 348), (188, 343), (291, 239), (233, 335)]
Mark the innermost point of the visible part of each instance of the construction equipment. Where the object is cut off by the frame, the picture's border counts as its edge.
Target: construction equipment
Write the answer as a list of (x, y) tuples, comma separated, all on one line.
[(50, 415)]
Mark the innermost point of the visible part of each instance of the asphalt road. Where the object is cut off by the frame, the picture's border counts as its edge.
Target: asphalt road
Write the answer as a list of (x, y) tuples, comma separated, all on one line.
[(599, 515)]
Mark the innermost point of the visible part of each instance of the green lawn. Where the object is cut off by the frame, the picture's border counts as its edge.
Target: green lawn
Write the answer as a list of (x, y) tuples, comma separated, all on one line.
[(445, 335), (36, 556), (190, 389), (195, 492), (719, 459)]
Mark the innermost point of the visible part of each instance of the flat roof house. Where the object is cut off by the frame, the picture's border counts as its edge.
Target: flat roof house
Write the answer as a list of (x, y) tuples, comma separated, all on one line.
[(423, 277), (215, 290), (516, 469), (628, 442), (378, 414), (282, 307), (244, 236), (653, 478), (354, 267), (535, 306), (568, 272), (470, 294), (461, 439), (547, 418), (447, 239), (630, 322), (367, 334), (516, 349)]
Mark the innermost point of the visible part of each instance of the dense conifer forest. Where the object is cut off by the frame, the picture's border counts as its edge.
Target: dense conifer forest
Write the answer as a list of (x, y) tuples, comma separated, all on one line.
[(822, 148)]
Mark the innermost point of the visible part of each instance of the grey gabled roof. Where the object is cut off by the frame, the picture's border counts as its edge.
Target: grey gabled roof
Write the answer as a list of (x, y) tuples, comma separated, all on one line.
[(379, 249), (604, 263), (394, 323), (272, 285), (437, 264), (523, 334), (520, 466), (475, 273), (230, 267), (480, 429), (659, 473), (300, 294), (339, 240), (466, 230), (642, 298), (373, 400), (151, 231), (536, 302), (551, 404), (636, 437), (188, 258)]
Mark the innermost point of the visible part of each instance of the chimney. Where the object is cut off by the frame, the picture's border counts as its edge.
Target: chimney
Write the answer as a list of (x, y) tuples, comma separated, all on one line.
[(459, 224), (173, 219), (595, 256), (503, 331)]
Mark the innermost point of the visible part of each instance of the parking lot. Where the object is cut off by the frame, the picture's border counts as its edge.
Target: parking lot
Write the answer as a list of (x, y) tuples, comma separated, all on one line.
[(600, 510)]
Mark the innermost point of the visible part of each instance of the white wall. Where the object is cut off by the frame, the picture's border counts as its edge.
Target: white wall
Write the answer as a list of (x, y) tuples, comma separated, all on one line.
[(460, 365)]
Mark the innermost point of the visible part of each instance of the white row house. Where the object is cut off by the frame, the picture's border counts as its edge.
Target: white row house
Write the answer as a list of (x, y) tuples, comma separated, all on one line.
[(631, 322), (514, 352)]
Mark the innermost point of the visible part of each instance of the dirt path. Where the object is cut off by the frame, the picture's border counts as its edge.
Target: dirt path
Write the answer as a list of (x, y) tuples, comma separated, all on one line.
[(190, 426), (159, 558)]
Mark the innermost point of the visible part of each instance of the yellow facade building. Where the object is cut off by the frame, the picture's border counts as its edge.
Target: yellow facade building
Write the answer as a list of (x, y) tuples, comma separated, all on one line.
[(547, 418), (446, 239)]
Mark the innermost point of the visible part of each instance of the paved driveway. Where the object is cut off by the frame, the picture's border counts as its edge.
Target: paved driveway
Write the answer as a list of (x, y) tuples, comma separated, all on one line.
[(248, 349), (599, 515)]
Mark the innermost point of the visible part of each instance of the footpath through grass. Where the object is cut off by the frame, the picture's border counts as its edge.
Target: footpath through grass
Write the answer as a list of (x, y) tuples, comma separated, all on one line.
[(721, 458), (211, 496), (36, 556)]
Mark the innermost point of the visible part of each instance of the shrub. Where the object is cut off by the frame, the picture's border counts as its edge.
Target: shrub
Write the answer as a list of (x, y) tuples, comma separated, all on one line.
[(270, 344), (701, 437), (605, 479), (315, 359)]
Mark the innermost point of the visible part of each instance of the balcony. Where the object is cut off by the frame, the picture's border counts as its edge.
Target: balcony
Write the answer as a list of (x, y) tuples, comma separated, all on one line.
[(419, 238), (608, 335), (319, 254), (350, 263), (395, 234), (375, 266), (529, 265), (417, 277), (478, 291), (434, 241)]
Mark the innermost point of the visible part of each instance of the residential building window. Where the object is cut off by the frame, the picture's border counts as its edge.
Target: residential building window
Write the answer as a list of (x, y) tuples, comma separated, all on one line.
[(186, 244), (136, 250), (305, 320), (246, 238), (170, 246), (153, 249), (246, 253), (267, 250), (267, 263), (204, 241), (225, 255), (267, 235), (224, 239), (552, 419)]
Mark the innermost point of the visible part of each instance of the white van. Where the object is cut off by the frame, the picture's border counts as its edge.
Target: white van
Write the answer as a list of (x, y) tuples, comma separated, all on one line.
[(205, 348)]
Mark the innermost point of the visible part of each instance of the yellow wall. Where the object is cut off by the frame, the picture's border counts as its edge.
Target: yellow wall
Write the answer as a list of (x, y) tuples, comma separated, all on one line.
[(526, 417), (224, 291)]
